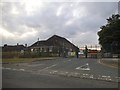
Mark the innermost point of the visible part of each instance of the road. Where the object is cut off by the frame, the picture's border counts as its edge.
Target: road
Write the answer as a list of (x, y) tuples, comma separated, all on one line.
[(62, 72)]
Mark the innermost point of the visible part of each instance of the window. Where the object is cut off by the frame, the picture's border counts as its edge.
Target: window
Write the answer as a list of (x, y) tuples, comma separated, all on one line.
[(50, 49), (45, 50), (32, 50)]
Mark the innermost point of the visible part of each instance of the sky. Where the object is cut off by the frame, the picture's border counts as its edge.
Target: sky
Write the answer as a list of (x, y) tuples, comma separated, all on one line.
[(26, 21)]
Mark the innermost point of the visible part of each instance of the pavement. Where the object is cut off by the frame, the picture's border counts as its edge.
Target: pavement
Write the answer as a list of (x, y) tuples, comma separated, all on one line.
[(72, 68)]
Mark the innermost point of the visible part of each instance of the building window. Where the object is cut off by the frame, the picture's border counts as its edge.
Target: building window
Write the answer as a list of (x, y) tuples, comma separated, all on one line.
[(36, 50), (40, 49), (45, 50), (22, 51), (50, 49), (32, 50)]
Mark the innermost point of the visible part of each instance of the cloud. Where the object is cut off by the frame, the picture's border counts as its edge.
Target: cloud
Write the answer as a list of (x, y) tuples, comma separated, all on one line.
[(24, 22)]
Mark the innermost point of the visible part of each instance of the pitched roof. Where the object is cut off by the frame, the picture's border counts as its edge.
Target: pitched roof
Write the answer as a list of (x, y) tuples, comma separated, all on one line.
[(40, 43), (55, 40), (59, 38)]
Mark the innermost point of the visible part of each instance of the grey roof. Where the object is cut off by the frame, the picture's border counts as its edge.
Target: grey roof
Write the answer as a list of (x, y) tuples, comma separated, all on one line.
[(55, 40)]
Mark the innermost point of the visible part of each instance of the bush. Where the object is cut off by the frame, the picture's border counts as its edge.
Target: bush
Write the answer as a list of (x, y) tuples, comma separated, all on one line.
[(28, 54), (10, 54)]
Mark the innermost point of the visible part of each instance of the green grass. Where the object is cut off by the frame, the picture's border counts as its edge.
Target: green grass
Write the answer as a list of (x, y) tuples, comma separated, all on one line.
[(112, 63), (18, 60)]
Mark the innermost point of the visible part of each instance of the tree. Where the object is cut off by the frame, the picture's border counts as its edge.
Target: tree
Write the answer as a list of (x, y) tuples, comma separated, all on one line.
[(109, 35)]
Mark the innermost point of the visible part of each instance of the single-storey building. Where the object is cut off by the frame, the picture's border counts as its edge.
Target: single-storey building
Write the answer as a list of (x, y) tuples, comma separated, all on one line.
[(13, 48), (13, 51)]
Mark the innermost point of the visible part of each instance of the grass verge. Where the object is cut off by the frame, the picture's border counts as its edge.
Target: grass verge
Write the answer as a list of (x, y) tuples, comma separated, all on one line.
[(20, 60), (112, 63)]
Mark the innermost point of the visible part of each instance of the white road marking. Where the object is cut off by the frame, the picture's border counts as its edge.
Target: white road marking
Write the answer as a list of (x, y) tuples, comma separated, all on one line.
[(84, 67), (66, 72), (104, 76), (22, 69), (110, 79), (108, 76), (91, 76), (14, 69), (55, 71), (48, 67), (83, 74), (86, 74)]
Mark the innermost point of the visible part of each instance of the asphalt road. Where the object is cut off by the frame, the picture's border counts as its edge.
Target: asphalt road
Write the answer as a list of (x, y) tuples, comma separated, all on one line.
[(16, 79), (62, 72)]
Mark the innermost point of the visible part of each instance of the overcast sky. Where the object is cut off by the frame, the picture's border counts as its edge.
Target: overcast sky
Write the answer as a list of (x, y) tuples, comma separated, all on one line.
[(79, 22)]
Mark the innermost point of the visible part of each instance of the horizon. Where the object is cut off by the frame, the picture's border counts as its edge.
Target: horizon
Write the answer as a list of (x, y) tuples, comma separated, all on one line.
[(92, 47)]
